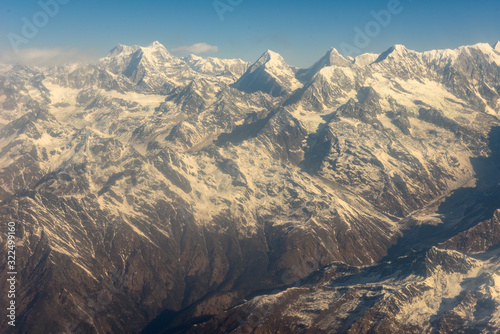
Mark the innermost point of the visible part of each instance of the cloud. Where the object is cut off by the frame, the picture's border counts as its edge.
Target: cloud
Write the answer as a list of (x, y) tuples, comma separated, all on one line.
[(46, 57), (197, 48)]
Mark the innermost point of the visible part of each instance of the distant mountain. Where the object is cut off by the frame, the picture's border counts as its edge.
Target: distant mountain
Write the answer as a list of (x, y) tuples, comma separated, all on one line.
[(215, 66), (148, 67), (160, 194), (269, 74), (331, 58)]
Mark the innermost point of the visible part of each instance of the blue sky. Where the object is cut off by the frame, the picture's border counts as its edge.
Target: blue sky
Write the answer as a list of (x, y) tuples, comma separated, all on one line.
[(301, 31)]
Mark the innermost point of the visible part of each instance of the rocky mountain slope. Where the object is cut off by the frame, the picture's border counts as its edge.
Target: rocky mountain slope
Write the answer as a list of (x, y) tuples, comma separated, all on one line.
[(166, 195)]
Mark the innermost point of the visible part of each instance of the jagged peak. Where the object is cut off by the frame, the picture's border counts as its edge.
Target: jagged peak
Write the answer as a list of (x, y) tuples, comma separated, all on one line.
[(270, 57), (497, 46), (334, 58), (122, 49), (484, 47), (270, 74), (271, 53), (331, 58), (399, 47), (155, 44), (193, 57), (395, 50), (158, 49)]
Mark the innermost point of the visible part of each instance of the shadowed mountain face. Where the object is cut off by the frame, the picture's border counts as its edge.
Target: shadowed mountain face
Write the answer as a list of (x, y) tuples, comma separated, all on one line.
[(463, 209), (270, 74), (440, 278), (169, 195)]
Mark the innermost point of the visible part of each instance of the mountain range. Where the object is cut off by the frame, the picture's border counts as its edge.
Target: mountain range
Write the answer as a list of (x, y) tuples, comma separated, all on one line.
[(159, 194)]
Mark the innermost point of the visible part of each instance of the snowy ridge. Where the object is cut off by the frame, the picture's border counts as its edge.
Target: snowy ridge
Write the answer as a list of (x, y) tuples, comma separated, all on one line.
[(270, 74), (215, 66)]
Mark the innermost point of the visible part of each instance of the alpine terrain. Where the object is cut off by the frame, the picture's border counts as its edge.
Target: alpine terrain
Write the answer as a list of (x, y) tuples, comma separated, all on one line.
[(159, 194)]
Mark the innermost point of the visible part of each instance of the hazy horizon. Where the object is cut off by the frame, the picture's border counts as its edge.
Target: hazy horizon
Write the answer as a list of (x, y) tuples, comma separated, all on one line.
[(301, 32)]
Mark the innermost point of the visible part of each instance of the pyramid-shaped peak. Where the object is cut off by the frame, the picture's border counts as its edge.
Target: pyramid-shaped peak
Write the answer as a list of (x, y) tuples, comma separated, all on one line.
[(270, 59), (333, 51), (497, 46), (269, 74), (157, 48), (156, 52), (395, 50), (399, 47), (331, 58), (122, 49), (271, 53), (156, 45), (334, 58)]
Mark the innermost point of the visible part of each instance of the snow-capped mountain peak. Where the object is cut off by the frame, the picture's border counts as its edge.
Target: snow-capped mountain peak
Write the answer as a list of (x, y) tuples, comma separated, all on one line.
[(334, 58), (395, 51), (331, 58), (157, 52), (233, 68), (485, 47), (270, 74), (156, 44), (192, 58), (148, 66), (270, 59), (154, 51), (467, 50), (365, 59), (122, 49), (497, 46)]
